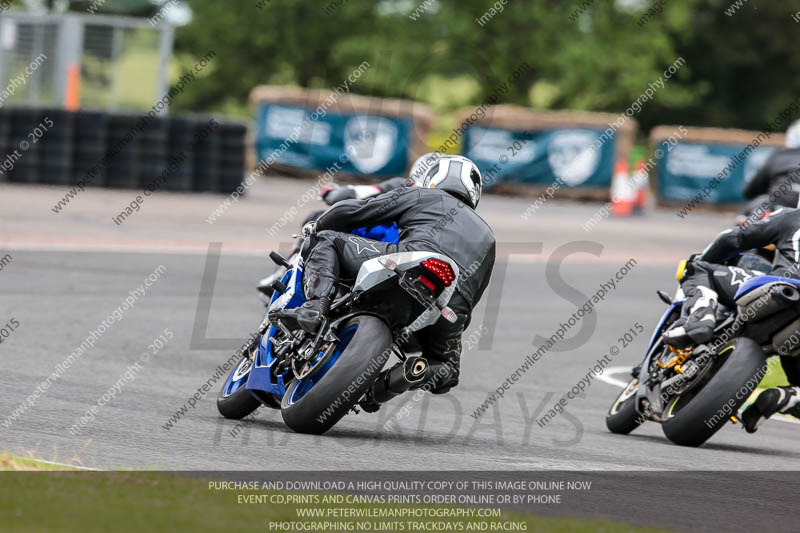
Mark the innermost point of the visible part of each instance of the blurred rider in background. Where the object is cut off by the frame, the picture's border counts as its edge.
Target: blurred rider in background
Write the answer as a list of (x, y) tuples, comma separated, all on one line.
[(777, 183)]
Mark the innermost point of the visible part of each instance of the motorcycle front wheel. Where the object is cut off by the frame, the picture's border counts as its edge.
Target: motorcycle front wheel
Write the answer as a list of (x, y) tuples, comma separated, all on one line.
[(622, 417), (234, 400)]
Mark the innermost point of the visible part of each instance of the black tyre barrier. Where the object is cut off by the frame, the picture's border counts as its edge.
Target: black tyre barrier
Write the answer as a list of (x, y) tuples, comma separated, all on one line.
[(5, 129), (23, 154), (56, 128), (206, 160), (122, 146), (127, 150), (182, 131), (89, 147), (152, 147)]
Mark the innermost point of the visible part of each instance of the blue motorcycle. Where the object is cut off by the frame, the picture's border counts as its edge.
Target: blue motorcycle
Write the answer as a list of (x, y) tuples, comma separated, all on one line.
[(315, 379), (694, 392)]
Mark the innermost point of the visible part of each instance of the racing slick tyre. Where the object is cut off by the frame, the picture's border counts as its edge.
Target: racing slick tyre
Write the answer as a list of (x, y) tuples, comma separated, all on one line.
[(622, 417), (234, 400), (695, 416), (316, 403)]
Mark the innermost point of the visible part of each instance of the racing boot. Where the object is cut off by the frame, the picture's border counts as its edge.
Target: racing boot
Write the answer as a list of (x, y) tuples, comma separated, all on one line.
[(698, 326), (776, 400), (308, 317)]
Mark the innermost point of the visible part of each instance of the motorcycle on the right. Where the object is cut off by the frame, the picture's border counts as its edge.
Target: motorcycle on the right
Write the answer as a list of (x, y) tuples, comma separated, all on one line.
[(693, 393)]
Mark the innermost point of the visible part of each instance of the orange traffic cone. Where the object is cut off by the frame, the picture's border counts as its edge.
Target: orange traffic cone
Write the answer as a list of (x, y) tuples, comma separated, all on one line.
[(72, 100), (622, 194), (641, 183)]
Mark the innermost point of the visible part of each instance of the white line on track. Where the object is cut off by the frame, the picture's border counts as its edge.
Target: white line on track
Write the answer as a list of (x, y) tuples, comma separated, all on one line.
[(606, 376)]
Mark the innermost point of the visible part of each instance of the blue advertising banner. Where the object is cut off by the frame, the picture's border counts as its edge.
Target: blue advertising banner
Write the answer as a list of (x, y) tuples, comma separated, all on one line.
[(356, 143), (687, 168), (576, 156)]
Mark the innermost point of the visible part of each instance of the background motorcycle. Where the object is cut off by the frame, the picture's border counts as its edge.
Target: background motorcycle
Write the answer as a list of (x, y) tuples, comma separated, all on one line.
[(315, 379), (692, 393)]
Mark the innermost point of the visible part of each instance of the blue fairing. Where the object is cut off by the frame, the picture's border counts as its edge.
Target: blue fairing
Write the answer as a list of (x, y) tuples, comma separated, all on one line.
[(754, 283), (261, 376), (380, 233), (657, 332)]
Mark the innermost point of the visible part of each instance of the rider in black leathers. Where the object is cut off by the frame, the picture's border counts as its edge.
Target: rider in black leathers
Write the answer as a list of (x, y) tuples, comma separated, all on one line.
[(777, 183), (706, 282), (436, 216), (333, 193)]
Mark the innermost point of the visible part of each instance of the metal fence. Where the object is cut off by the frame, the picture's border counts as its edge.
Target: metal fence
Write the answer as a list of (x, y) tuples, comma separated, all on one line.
[(122, 61)]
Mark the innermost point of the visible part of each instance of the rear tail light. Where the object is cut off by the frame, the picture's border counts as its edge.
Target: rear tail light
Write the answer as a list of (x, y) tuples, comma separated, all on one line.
[(440, 269), (428, 283)]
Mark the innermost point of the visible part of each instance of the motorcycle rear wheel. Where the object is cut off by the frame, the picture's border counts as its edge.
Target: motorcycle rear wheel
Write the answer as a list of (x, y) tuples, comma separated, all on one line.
[(316, 407), (693, 418)]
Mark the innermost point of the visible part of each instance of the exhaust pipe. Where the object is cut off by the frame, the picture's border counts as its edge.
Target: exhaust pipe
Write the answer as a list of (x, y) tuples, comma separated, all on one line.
[(398, 379), (788, 294), (777, 299)]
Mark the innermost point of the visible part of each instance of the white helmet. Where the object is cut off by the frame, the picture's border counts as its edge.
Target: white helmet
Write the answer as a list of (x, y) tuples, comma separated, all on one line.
[(457, 175), (423, 164), (793, 135)]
